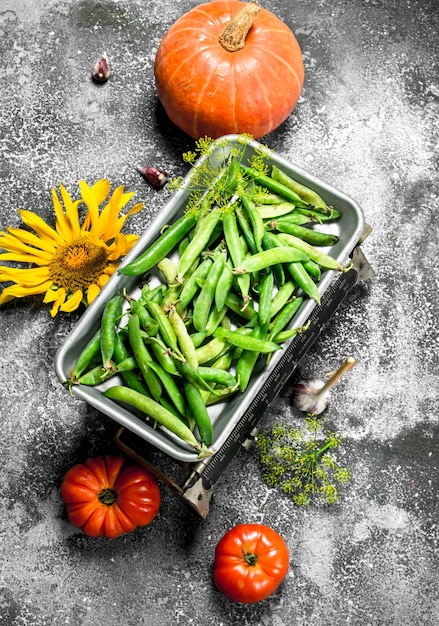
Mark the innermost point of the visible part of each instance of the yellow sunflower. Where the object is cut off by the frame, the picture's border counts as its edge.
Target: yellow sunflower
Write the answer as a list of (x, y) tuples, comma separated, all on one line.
[(71, 263)]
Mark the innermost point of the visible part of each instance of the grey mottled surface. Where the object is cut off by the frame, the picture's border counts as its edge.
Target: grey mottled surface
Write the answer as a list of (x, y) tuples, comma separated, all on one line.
[(367, 123)]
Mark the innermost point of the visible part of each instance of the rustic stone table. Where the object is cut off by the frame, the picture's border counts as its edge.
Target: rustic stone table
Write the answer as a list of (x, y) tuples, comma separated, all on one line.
[(367, 123)]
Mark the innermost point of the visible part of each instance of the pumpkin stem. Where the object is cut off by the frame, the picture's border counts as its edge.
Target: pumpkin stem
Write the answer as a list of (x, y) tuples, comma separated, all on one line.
[(233, 36)]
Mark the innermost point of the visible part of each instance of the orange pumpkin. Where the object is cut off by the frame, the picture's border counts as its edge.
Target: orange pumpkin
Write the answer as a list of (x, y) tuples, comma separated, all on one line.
[(228, 67)]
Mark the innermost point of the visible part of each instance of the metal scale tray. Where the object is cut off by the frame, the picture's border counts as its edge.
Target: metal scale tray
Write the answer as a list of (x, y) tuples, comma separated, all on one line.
[(233, 421)]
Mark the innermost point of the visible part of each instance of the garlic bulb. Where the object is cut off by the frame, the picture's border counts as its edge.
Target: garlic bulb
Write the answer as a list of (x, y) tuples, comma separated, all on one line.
[(313, 396)]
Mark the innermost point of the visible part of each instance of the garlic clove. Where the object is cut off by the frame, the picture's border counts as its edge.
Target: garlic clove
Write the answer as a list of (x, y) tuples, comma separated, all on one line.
[(154, 175), (101, 72)]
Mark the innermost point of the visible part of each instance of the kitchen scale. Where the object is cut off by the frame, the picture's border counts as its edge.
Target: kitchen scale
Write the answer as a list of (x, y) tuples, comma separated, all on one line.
[(194, 482)]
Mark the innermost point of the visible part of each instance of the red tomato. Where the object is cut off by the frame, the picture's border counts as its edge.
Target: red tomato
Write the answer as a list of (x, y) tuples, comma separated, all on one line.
[(251, 561), (106, 497)]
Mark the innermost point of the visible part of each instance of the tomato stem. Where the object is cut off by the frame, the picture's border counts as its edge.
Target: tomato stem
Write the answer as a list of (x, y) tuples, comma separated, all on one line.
[(107, 496), (233, 36), (251, 558)]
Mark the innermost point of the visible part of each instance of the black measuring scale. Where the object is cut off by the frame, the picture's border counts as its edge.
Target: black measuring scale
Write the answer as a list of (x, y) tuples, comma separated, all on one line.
[(199, 479)]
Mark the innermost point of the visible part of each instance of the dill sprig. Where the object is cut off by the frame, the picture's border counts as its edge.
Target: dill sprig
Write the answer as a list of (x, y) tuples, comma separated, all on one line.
[(213, 179), (299, 461)]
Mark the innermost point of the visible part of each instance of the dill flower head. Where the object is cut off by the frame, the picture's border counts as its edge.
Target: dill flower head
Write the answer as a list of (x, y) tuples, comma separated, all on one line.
[(71, 263)]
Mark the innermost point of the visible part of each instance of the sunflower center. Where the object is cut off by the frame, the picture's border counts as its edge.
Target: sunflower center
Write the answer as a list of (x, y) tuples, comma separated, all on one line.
[(78, 264)]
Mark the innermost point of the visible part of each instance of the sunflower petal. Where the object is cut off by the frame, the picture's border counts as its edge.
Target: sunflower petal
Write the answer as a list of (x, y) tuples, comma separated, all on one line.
[(62, 226), (93, 197), (121, 245), (92, 292), (17, 248), (20, 291), (72, 302), (40, 227), (103, 280), (71, 208), (51, 295), (23, 258), (121, 221), (135, 209), (58, 302), (28, 238), (29, 276), (101, 189), (109, 215)]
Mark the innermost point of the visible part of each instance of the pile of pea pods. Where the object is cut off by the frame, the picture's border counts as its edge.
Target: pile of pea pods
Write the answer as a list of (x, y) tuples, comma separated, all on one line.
[(233, 276)]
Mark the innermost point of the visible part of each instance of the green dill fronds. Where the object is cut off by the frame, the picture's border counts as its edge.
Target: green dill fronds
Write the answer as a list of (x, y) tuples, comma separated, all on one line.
[(299, 461), (215, 174)]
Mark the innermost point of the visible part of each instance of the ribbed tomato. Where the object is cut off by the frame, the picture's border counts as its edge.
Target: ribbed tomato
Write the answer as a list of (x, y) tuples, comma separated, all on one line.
[(107, 497), (215, 77), (251, 561)]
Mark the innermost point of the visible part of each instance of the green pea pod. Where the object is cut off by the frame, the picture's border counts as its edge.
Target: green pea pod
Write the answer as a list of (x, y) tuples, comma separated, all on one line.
[(265, 299), (166, 330), (153, 295), (110, 318), (155, 411), (91, 350), (199, 242), (224, 362), (217, 375), (281, 297), (277, 269), (210, 350), (321, 258), (170, 387), (99, 374), (168, 240), (246, 230), (284, 335), (223, 286), (284, 317), (231, 178), (303, 280), (143, 357), (147, 322), (261, 195), (198, 412), (191, 285), (205, 298), (290, 218), (214, 320), (313, 270), (169, 270), (275, 186), (171, 295), (191, 375), (255, 220), (307, 194), (162, 355), (313, 237), (234, 246), (183, 338), (198, 338), (248, 359), (272, 256), (131, 378), (276, 211), (317, 216), (236, 304), (246, 342)]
